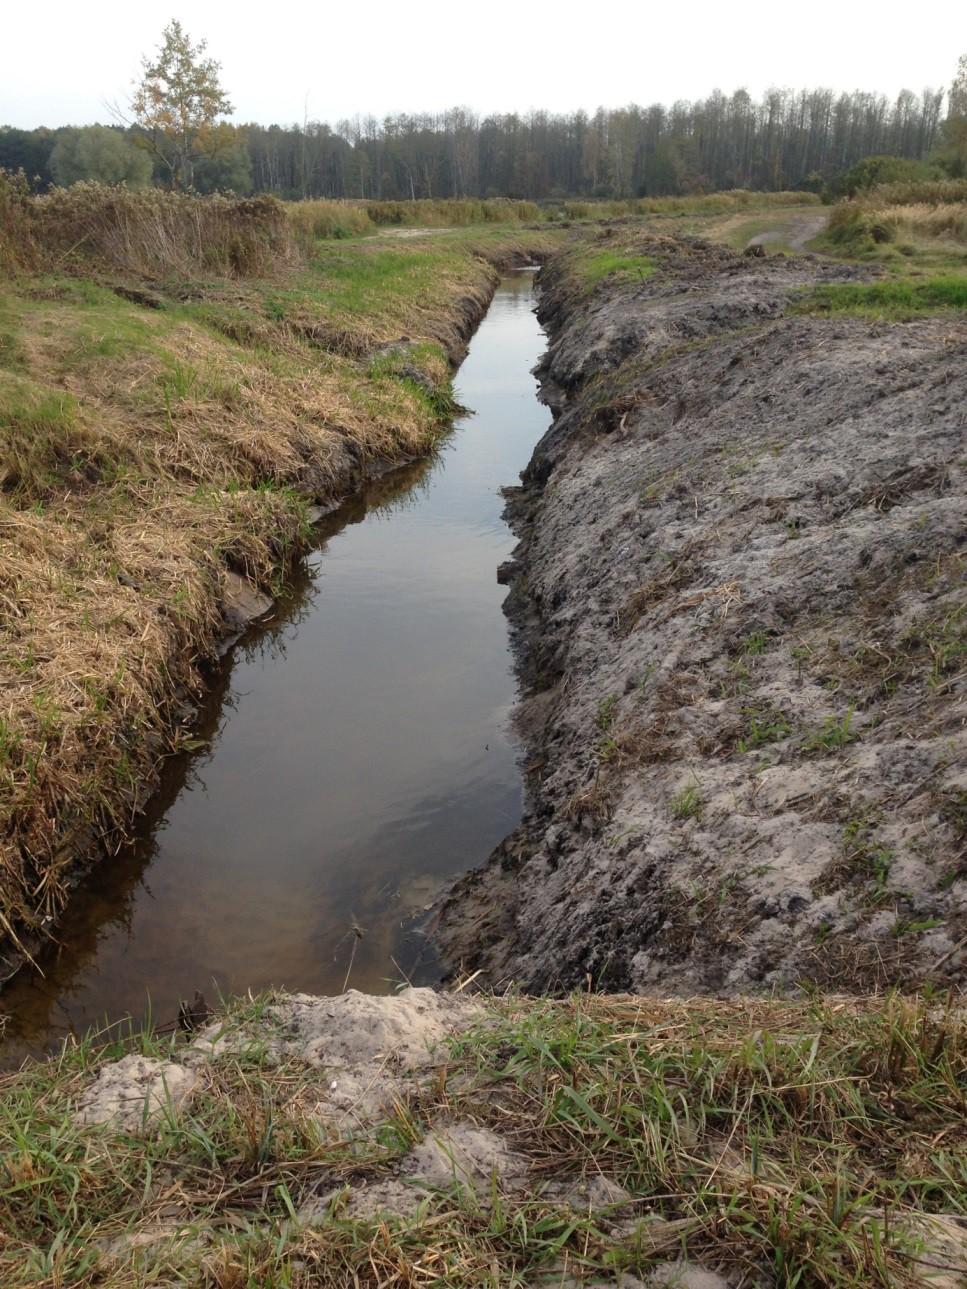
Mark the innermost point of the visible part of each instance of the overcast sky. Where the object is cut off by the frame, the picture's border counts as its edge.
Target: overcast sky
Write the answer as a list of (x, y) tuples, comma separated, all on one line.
[(61, 62)]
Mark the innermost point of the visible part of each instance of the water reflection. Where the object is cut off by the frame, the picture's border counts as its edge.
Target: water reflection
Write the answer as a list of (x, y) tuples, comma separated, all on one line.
[(356, 750)]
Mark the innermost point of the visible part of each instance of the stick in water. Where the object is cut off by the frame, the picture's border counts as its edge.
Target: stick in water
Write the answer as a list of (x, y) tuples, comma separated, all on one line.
[(357, 934)]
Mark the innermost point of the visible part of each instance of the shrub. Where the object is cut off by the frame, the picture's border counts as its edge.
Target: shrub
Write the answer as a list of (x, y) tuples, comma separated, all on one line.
[(312, 220), (871, 171), (936, 192), (18, 246), (854, 228), (153, 233)]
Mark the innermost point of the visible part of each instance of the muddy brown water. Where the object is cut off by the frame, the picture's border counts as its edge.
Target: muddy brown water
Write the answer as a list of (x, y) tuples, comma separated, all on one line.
[(357, 749)]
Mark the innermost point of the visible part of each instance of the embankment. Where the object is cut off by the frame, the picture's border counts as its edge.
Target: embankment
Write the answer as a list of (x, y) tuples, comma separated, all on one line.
[(739, 604), (182, 389), (429, 1139)]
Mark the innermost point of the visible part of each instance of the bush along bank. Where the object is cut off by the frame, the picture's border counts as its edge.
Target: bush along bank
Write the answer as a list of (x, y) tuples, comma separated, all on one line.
[(165, 442), (739, 607)]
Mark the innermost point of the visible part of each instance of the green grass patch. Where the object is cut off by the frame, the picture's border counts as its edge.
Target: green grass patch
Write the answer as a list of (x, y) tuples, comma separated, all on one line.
[(45, 441), (606, 711), (764, 726), (836, 732), (605, 263), (354, 281), (355, 294), (898, 298), (11, 351), (687, 804), (411, 366), (376, 289)]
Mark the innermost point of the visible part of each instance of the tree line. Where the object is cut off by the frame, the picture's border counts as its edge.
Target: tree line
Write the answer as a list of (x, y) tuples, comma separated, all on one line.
[(174, 135)]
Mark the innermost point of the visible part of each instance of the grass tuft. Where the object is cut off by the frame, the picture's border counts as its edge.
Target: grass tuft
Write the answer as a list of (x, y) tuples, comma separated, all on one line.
[(687, 804)]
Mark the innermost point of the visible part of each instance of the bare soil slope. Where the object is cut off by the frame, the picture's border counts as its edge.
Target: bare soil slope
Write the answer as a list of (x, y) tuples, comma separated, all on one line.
[(739, 600)]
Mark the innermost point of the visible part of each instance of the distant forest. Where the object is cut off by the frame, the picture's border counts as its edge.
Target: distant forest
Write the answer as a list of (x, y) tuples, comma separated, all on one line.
[(786, 140)]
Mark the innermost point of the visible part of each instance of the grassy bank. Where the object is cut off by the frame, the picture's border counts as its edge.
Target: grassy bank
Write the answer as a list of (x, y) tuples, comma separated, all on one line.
[(786, 223), (699, 204), (911, 230), (159, 431), (916, 235), (339, 219), (342, 219), (811, 1143), (598, 265)]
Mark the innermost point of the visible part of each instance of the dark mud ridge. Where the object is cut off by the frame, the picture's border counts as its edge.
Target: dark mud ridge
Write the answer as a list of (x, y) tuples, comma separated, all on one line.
[(739, 609)]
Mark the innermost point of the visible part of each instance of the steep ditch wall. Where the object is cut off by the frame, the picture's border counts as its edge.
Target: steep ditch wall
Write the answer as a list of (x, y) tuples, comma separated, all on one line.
[(739, 607)]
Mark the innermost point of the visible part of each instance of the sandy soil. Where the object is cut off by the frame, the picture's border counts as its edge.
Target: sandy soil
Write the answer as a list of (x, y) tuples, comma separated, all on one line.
[(739, 605)]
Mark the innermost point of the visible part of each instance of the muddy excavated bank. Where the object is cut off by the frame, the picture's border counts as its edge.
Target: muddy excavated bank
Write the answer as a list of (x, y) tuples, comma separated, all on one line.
[(739, 606)]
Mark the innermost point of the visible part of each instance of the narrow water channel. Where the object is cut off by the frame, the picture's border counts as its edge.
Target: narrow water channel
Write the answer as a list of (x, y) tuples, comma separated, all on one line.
[(357, 749)]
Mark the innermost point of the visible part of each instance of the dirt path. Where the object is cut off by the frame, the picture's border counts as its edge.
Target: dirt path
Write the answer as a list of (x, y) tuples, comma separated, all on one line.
[(740, 607), (795, 233), (405, 234)]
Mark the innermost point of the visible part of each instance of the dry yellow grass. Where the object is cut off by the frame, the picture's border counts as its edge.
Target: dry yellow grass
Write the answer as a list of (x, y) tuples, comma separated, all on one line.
[(321, 217), (925, 219), (151, 232)]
